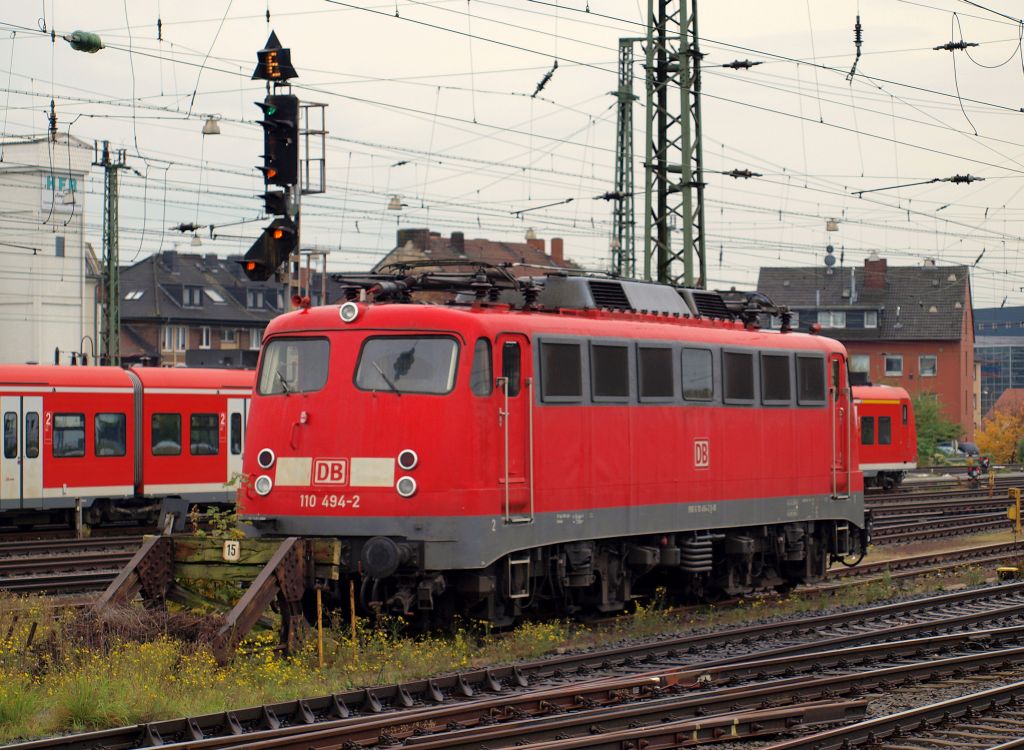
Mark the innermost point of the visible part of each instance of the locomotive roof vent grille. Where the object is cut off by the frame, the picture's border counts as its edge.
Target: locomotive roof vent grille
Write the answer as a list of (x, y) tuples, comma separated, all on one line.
[(708, 304), (609, 294)]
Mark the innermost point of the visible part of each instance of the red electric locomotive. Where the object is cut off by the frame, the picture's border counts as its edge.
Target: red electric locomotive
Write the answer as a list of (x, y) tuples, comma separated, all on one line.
[(557, 443), (117, 442), (888, 438)]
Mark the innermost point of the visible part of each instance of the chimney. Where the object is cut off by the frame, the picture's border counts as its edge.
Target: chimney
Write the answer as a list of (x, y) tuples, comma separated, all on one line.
[(458, 243), (170, 259), (874, 272), (557, 250), (420, 238), (537, 243)]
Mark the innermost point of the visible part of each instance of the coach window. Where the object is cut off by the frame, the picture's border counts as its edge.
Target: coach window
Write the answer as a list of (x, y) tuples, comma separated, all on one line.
[(698, 384), (810, 380), (739, 377), (294, 365), (10, 434), (32, 435), (480, 381), (166, 439), (867, 430), (776, 388), (905, 413), (512, 366), (111, 437), (202, 435), (609, 372), (885, 430), (235, 434), (657, 376), (562, 371), (68, 435)]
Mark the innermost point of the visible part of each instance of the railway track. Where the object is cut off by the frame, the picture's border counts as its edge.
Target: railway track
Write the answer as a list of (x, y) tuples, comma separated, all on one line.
[(63, 566), (630, 672)]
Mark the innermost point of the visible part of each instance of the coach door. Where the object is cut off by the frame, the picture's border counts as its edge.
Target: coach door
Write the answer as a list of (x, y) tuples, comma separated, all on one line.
[(21, 463), (839, 403), (238, 416), (515, 420)]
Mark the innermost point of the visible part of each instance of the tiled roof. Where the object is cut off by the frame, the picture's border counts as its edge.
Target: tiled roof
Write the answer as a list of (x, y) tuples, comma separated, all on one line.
[(427, 245), (917, 303), (1011, 400)]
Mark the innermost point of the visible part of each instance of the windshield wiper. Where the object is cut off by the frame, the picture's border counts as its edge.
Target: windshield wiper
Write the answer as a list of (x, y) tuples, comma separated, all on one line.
[(284, 383), (387, 380)]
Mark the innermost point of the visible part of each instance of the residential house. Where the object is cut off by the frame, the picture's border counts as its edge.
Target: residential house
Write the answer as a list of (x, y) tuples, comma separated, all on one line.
[(910, 326)]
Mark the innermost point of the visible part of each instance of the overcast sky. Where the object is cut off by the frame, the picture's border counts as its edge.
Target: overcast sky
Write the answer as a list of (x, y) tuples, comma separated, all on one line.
[(431, 101)]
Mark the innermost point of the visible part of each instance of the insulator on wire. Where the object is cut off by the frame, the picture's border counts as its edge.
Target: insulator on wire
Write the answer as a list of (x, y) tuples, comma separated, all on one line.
[(858, 40)]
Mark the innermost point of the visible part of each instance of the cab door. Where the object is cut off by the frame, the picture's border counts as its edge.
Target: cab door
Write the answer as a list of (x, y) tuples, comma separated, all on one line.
[(514, 396), (21, 461), (238, 416), (840, 406)]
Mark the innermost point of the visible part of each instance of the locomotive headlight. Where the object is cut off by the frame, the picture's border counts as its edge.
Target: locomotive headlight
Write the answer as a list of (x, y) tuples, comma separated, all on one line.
[(406, 487), (263, 485), (265, 458), (348, 312), (408, 459)]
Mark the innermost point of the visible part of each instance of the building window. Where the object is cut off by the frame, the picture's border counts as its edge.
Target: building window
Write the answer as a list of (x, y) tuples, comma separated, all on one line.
[(928, 365), (58, 245), (255, 334), (168, 342), (832, 318), (871, 319), (204, 340), (228, 336), (893, 364), (134, 294), (192, 296), (214, 295), (254, 298), (860, 363), (182, 338)]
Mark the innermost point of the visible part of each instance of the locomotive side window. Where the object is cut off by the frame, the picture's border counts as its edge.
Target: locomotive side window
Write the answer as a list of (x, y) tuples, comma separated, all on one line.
[(885, 430), (739, 377), (68, 435), (697, 375), (166, 439), (835, 379), (10, 434), (111, 435), (407, 364), (480, 381), (512, 366), (867, 430), (32, 435), (562, 371), (294, 365), (775, 381), (810, 380), (609, 371), (235, 434), (202, 435), (657, 376)]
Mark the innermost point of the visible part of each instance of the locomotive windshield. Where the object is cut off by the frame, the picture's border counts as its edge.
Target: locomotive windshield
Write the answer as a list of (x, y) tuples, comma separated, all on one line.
[(408, 364), (294, 365)]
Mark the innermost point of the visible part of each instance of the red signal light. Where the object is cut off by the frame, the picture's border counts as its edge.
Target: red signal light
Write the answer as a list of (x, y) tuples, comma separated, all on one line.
[(250, 266), (278, 233), (271, 173)]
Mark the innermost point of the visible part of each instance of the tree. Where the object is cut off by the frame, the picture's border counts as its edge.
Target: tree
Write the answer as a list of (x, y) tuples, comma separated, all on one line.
[(1001, 432), (932, 425)]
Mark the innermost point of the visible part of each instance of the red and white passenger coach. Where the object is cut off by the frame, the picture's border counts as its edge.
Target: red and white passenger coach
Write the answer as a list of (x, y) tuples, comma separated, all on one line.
[(888, 437), (117, 441), (558, 443)]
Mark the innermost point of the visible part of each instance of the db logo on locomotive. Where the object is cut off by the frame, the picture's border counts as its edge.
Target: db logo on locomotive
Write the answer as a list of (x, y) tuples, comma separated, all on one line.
[(330, 471), (701, 453)]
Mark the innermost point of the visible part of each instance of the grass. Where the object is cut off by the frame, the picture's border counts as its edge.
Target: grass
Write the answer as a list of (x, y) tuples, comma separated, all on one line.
[(57, 686)]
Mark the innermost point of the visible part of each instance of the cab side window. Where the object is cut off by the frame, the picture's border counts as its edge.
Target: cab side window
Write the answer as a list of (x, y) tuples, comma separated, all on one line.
[(480, 381)]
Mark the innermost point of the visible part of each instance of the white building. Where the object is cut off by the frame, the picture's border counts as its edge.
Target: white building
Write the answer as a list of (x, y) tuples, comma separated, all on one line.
[(48, 273)]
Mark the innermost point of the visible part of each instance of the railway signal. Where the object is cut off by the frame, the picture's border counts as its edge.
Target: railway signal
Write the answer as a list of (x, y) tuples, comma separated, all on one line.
[(280, 166)]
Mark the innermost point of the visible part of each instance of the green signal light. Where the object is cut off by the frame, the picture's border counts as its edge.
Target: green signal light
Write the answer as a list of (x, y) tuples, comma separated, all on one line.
[(271, 110)]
